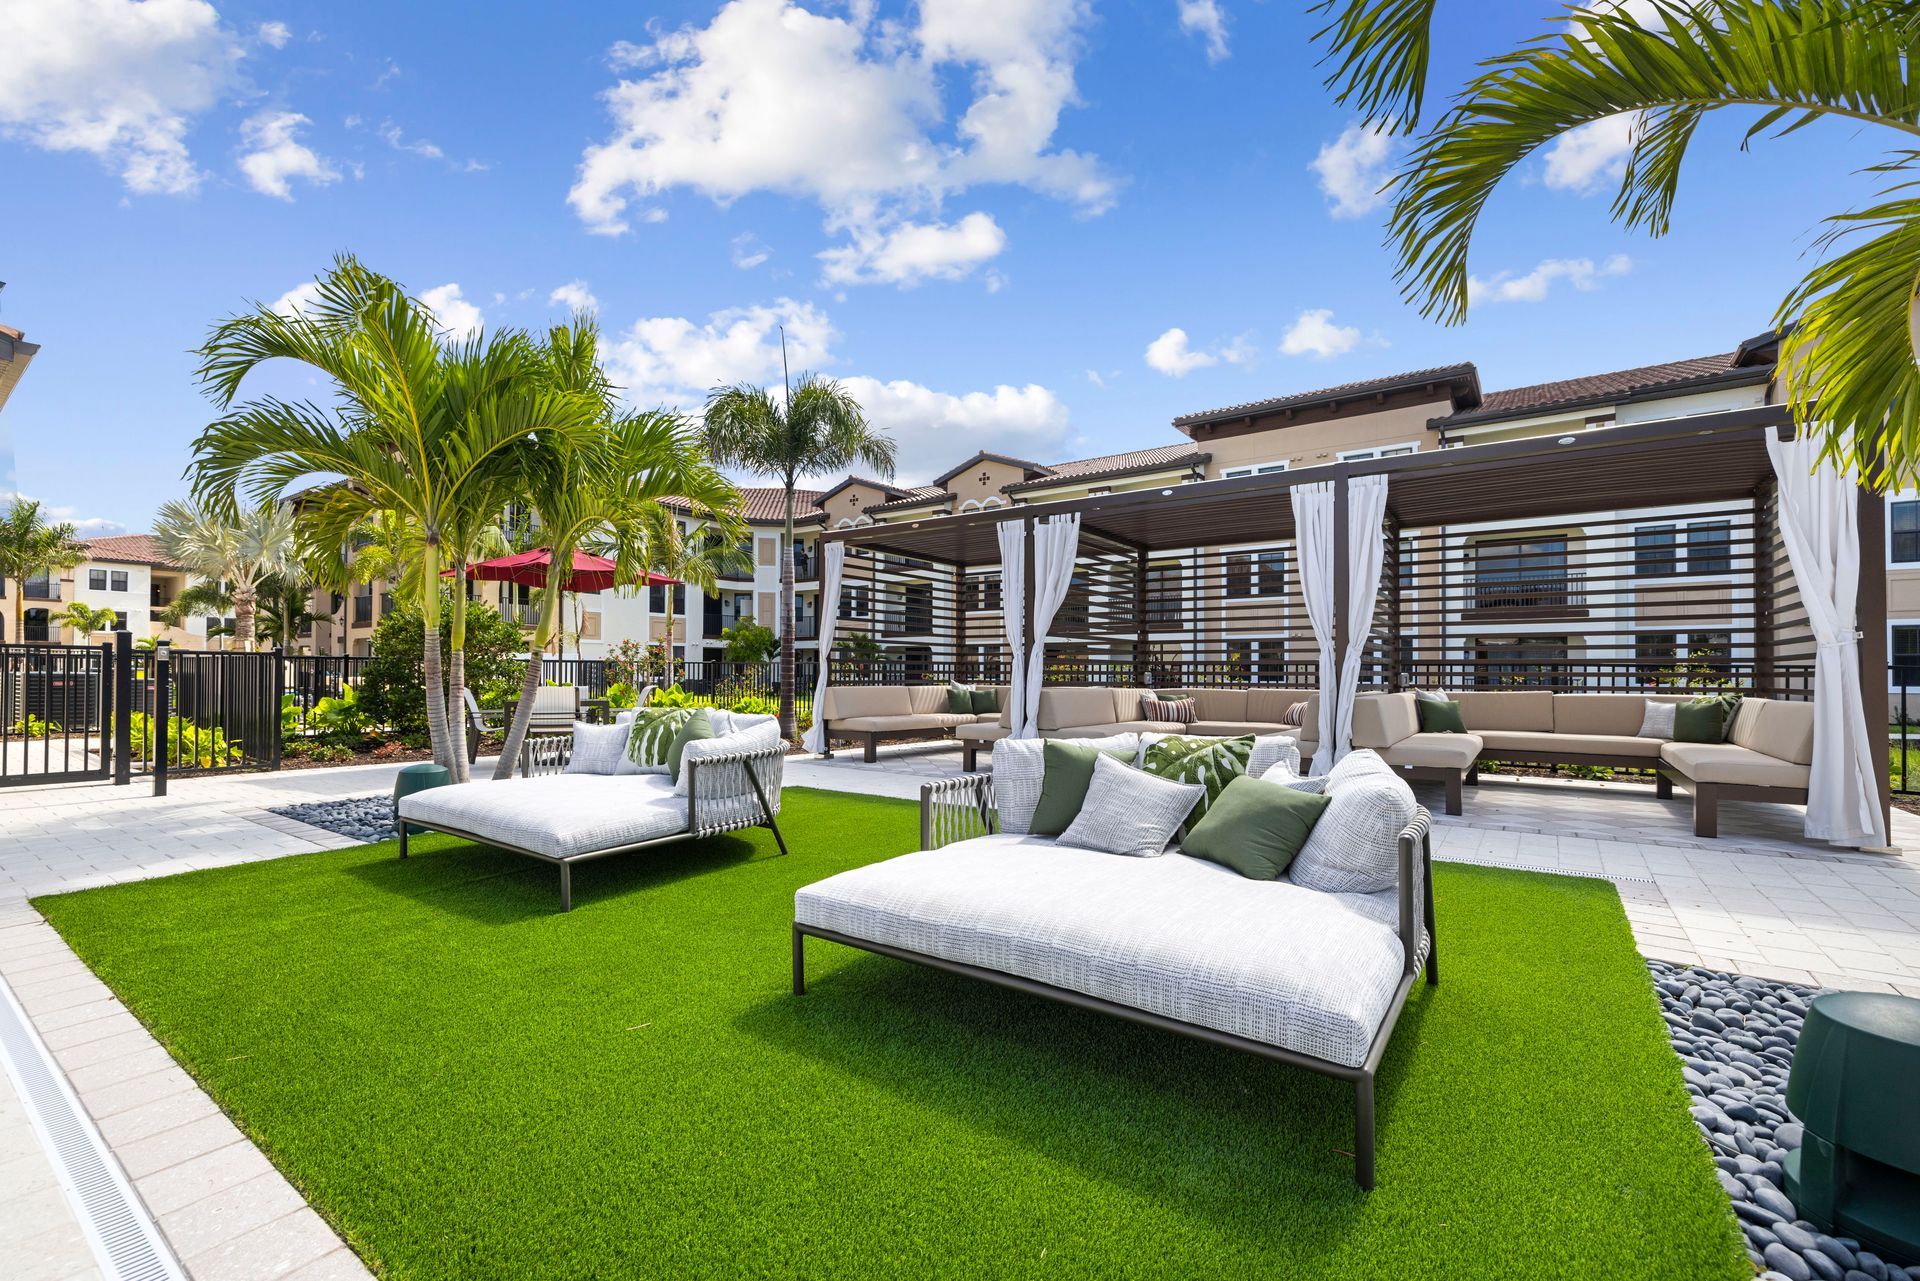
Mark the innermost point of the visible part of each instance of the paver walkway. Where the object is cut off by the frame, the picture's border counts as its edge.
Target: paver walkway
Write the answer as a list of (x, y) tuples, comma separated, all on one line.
[(1760, 899)]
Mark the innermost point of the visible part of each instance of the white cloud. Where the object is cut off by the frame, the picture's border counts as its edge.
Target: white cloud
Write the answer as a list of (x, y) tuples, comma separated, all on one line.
[(846, 111), (460, 318), (1586, 159), (911, 252), (1353, 170), (669, 360), (1314, 334), (118, 80), (298, 299), (931, 428), (1205, 18), (55, 514), (1581, 273), (275, 156), (1172, 354), (748, 252), (274, 34), (574, 296), (394, 138)]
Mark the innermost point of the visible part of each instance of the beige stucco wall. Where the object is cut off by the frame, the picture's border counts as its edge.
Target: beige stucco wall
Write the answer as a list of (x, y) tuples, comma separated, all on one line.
[(969, 487), (851, 503), (1311, 444)]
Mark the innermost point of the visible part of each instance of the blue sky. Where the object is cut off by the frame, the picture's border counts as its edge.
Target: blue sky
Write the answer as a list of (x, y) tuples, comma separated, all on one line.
[(987, 215)]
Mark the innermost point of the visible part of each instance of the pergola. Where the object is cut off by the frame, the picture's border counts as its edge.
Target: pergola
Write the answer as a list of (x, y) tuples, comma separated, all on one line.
[(1664, 556)]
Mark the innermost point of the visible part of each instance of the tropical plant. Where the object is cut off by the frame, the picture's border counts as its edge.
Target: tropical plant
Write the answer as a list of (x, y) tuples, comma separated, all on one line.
[(422, 428), (672, 696), (283, 608), (621, 695), (185, 742), (31, 726), (1848, 348), (340, 716), (604, 492), (30, 546), (242, 548), (208, 599), (817, 429), (290, 716), (85, 620), (749, 642), (393, 689)]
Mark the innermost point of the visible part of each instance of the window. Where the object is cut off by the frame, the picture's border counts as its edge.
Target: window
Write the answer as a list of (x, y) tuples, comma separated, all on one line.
[(1903, 532), (1522, 573), (657, 599), (1378, 451), (1256, 574), (1163, 594), (1252, 469), (859, 602), (1654, 553), (1262, 661), (1710, 547), (117, 580), (1522, 661), (1683, 658), (1905, 652), (96, 580), (119, 620), (40, 587), (1239, 577)]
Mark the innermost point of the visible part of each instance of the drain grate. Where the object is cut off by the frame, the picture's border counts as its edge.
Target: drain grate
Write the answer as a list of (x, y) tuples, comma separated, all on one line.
[(125, 1239)]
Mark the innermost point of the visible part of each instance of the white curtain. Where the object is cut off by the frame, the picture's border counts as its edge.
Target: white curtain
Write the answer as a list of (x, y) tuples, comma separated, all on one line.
[(1056, 543), (1313, 545), (1013, 592), (814, 740), (1366, 548), (1818, 511)]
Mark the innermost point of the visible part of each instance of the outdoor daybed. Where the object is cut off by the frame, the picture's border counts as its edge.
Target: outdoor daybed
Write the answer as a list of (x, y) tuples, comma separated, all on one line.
[(1766, 757), (1311, 968), (726, 783), (865, 714)]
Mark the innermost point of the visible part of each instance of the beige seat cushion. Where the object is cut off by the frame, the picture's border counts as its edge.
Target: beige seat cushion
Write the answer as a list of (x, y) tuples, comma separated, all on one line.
[(900, 724), (1381, 720), (1441, 751), (1776, 727), (1598, 713), (1224, 729), (1507, 709), (1126, 704), (1265, 703), (927, 700), (985, 731), (1732, 763), (847, 701), (1070, 706), (1220, 704), (1100, 731)]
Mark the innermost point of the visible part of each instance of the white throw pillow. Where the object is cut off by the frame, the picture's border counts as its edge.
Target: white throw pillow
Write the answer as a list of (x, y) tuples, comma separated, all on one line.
[(1432, 696), (1129, 811), (1271, 751), (1019, 768), (599, 749), (1658, 720), (754, 738), (1355, 847)]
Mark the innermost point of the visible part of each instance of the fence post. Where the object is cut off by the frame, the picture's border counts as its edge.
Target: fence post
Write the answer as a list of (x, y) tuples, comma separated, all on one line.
[(121, 657), (279, 697), (161, 718)]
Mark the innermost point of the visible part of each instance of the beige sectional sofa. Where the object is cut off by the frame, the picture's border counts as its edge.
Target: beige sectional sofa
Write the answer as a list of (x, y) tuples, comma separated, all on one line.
[(865, 714), (1099, 711), (1766, 758)]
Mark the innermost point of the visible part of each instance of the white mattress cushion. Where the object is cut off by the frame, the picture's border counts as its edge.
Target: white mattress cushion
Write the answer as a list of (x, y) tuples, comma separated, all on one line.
[(559, 815), (1176, 936)]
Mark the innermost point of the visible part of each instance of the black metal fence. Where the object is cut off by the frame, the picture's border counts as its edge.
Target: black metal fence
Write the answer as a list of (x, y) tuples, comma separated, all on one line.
[(201, 711), (55, 713)]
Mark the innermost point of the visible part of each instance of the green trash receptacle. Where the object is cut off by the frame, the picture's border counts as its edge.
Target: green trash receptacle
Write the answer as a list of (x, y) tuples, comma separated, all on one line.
[(1857, 1172), (416, 778)]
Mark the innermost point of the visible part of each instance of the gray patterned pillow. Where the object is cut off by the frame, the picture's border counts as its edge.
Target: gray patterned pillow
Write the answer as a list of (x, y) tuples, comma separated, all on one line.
[(1355, 847), (1019, 768), (1128, 811), (1658, 720), (1270, 750), (761, 734), (598, 749)]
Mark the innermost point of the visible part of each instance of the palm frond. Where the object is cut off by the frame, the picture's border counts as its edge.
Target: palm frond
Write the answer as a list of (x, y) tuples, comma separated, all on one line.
[(1378, 50)]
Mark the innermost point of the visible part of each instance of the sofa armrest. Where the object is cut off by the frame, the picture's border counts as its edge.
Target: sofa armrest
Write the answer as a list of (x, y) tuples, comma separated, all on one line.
[(1416, 890), (957, 809), (545, 753), (739, 789)]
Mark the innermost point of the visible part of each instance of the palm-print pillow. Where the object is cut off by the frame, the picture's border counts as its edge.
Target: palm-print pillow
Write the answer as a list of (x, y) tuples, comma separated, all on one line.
[(1212, 762), (653, 731)]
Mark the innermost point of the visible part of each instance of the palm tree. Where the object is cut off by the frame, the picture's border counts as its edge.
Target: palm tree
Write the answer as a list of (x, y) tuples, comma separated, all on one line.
[(85, 620), (605, 494), (242, 550), (818, 430), (284, 608), (421, 427), (29, 547), (1849, 356), (209, 599)]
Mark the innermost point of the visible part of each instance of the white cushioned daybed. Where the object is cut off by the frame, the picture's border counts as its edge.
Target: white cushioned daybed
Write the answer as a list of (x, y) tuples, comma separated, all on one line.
[(1311, 968), (568, 809)]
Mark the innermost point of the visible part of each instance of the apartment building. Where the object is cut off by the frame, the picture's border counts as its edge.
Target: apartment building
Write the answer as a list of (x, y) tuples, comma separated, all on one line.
[(126, 573)]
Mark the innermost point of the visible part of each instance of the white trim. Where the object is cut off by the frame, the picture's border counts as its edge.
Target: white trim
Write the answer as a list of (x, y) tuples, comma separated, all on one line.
[(1379, 451), (1254, 469)]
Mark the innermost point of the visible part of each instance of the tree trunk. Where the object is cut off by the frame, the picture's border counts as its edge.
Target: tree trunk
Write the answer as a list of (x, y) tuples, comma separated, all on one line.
[(457, 675), (443, 753), (787, 673), (529, 686), (243, 609)]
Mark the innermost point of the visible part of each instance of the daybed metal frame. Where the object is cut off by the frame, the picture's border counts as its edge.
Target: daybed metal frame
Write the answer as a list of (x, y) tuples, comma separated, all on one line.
[(959, 808)]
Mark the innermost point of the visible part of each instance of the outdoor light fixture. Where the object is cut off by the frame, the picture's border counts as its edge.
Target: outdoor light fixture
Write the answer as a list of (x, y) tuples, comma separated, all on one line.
[(1564, 440), (1166, 493)]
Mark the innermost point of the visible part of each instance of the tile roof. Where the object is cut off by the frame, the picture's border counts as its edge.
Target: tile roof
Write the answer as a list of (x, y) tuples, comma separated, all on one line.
[(987, 455), (1598, 389), (1084, 469), (1463, 372), (760, 504), (130, 549), (916, 496)]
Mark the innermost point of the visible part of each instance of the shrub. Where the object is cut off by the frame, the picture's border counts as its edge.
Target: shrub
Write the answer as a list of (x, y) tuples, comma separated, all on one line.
[(673, 696), (185, 742), (340, 718), (393, 688), (622, 695), (749, 642)]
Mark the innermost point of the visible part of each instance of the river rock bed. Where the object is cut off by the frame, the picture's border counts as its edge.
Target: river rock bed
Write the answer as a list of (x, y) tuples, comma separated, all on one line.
[(1735, 1036), (364, 818)]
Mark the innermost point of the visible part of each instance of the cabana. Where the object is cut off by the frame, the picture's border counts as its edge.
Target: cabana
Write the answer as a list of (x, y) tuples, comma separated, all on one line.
[(1687, 554)]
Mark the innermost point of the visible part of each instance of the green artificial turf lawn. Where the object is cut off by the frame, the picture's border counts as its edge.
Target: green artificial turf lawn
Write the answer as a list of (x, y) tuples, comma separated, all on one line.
[(468, 1084)]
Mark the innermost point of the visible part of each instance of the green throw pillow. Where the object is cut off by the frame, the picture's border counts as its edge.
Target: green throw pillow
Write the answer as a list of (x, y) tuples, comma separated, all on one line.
[(1729, 704), (1440, 717), (1214, 762), (986, 701), (1701, 721), (1067, 771), (1256, 828), (959, 699), (653, 731), (698, 725)]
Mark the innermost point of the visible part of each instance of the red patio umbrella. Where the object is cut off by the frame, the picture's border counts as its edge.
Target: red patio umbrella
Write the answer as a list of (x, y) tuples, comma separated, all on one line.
[(590, 573)]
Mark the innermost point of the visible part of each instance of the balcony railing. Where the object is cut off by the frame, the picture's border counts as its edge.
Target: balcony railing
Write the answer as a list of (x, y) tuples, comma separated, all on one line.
[(1530, 591), (806, 564)]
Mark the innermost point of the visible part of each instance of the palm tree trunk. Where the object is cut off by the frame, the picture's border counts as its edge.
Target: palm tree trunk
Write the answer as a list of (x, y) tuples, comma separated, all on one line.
[(430, 656), (529, 687), (457, 674), (786, 620), (243, 611)]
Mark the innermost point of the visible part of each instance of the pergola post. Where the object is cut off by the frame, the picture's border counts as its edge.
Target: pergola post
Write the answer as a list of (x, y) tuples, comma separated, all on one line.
[(1140, 641), (962, 665), (1870, 613)]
